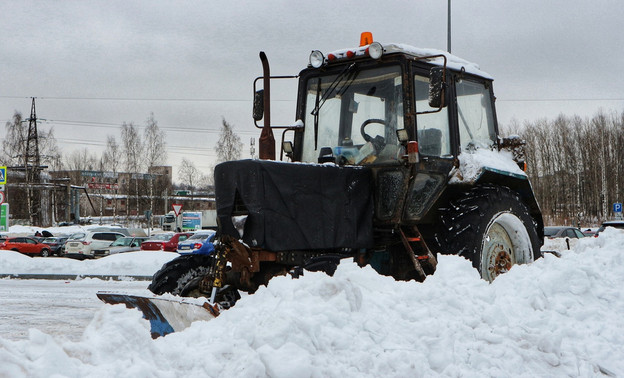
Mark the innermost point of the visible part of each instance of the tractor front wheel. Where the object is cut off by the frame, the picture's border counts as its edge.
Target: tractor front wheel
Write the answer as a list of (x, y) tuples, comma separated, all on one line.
[(492, 227)]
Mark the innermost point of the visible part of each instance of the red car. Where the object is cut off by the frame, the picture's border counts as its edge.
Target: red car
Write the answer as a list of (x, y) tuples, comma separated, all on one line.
[(28, 246), (165, 242)]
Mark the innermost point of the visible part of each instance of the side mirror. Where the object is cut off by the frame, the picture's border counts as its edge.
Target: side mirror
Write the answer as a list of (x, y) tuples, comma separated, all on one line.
[(436, 87), (258, 105)]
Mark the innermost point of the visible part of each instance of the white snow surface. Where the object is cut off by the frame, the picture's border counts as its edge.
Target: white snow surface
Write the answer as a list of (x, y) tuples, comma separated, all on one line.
[(554, 317)]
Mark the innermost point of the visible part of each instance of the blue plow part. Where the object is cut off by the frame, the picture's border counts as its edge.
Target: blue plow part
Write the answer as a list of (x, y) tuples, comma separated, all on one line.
[(159, 326)]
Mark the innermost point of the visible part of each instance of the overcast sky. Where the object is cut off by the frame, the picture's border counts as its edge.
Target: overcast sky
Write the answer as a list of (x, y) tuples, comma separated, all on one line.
[(95, 64)]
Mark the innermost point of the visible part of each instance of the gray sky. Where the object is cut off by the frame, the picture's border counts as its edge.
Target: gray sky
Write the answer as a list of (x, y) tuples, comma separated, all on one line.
[(95, 64)]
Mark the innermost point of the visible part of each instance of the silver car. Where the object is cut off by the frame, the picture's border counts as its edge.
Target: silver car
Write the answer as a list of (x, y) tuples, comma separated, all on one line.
[(83, 248)]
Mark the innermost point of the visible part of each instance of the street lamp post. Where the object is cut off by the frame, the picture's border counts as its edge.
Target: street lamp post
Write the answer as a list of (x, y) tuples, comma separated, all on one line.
[(448, 43)]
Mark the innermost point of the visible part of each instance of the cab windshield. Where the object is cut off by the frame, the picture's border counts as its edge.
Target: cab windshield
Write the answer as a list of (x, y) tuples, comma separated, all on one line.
[(351, 117)]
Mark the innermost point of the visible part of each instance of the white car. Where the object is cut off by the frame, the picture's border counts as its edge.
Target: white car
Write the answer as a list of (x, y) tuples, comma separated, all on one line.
[(83, 248)]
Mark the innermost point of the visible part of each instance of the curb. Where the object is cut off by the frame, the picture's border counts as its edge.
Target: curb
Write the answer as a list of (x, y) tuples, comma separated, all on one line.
[(105, 277)]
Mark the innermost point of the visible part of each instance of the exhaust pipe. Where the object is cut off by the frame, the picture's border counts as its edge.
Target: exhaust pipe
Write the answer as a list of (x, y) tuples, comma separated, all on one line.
[(266, 144)]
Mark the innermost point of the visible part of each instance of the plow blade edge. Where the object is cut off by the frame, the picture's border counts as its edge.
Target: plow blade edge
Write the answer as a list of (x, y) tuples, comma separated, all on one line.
[(166, 315)]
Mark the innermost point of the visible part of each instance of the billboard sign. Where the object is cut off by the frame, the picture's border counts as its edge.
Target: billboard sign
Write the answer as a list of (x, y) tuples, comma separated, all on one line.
[(191, 221)]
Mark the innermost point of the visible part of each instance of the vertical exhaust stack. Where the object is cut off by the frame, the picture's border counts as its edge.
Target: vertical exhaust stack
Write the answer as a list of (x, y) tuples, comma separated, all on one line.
[(267, 141)]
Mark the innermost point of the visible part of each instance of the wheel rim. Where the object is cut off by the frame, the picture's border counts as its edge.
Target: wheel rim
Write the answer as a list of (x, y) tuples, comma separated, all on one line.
[(506, 242)]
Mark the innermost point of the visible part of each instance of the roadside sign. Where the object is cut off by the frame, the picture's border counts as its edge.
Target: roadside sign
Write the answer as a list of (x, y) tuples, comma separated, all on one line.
[(176, 208), (4, 217), (617, 207), (1, 197), (3, 175)]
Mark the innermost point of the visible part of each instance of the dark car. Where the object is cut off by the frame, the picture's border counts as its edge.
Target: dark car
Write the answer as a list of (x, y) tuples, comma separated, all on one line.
[(165, 242), (27, 246), (56, 243), (615, 224), (563, 232)]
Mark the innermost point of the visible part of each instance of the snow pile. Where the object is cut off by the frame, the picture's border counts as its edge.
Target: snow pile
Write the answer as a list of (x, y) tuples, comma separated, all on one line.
[(555, 317), (140, 263)]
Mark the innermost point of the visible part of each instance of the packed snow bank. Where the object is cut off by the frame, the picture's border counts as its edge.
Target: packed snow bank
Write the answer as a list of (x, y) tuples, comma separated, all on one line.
[(139, 263), (555, 317)]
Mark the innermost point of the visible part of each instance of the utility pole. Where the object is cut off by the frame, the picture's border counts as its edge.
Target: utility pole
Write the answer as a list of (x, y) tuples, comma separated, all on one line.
[(32, 168)]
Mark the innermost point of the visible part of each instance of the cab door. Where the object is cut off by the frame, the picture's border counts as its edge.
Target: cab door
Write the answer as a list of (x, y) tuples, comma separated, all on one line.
[(433, 132)]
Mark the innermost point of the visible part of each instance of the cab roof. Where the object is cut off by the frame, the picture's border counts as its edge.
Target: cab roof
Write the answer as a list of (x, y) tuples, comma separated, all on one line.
[(453, 62)]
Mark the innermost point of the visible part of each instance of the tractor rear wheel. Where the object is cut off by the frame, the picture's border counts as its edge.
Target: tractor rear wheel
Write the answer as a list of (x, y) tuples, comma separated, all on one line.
[(491, 227)]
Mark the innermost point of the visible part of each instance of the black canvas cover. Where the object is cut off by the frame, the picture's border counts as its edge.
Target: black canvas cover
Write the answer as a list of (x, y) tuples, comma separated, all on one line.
[(296, 206)]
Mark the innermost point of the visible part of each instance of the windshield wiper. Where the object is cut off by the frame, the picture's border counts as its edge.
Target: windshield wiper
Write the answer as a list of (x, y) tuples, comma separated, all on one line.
[(332, 88), (350, 77)]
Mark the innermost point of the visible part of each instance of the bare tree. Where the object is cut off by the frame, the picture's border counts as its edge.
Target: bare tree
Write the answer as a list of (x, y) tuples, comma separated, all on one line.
[(111, 157), (81, 160), (229, 145), (132, 147), (190, 176), (133, 153), (14, 144), (155, 146), (111, 161)]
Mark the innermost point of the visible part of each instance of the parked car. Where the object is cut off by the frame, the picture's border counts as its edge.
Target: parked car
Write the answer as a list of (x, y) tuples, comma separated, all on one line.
[(27, 246), (200, 243), (615, 224), (125, 244), (563, 232), (165, 242), (56, 243), (84, 248)]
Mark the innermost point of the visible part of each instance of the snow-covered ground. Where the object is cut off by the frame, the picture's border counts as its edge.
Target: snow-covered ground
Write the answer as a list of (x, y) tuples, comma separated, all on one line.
[(555, 317)]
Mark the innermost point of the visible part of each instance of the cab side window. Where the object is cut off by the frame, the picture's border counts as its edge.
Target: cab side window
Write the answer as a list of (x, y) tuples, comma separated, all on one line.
[(475, 115)]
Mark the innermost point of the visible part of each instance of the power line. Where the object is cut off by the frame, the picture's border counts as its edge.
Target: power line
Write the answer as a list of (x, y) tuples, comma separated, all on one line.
[(172, 99)]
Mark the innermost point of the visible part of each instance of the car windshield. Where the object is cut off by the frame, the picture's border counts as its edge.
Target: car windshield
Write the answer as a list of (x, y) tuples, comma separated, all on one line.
[(162, 237), (550, 231), (77, 236), (49, 240), (201, 236), (353, 115), (122, 242)]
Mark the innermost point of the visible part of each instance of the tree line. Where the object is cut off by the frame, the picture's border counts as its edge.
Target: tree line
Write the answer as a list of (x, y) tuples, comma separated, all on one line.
[(134, 152), (576, 166)]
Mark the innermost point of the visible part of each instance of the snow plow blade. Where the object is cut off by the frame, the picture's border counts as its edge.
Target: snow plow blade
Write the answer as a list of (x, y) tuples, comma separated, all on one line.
[(166, 315)]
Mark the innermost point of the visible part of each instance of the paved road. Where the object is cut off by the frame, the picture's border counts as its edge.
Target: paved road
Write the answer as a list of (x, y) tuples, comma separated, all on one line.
[(57, 307)]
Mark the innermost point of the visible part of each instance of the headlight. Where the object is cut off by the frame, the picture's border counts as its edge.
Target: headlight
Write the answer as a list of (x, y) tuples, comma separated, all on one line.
[(375, 50), (316, 59)]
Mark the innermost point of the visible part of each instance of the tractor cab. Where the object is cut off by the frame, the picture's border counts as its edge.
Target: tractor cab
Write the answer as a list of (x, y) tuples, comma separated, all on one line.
[(384, 104)]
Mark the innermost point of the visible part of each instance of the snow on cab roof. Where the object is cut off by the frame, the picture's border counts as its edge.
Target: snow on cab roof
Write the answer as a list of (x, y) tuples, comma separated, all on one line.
[(453, 62)]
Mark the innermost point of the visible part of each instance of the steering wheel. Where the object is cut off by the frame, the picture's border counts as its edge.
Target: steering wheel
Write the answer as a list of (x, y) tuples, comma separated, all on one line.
[(379, 142)]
